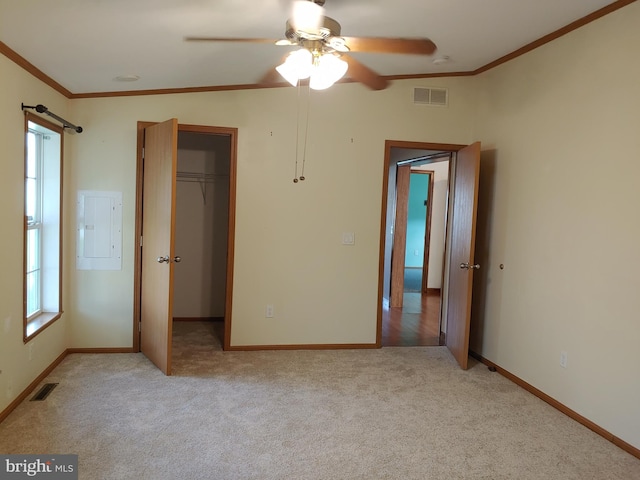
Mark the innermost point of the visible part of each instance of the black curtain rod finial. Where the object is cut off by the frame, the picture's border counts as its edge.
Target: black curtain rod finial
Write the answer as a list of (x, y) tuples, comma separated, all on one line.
[(65, 124), (73, 130)]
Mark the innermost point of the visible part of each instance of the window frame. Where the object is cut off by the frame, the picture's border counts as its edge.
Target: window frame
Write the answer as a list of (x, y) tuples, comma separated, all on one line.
[(40, 320), (35, 225)]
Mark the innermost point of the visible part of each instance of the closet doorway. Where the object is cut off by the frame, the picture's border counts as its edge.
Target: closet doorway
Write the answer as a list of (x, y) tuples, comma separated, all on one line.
[(185, 220), (201, 231), (202, 216)]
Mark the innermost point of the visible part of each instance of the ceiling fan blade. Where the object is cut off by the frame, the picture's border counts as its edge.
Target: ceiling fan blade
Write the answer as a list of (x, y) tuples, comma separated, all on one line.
[(363, 74), (225, 39), (272, 77), (416, 46)]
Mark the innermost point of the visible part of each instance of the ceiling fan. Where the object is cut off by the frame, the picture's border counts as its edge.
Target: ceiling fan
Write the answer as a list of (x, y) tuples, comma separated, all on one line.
[(323, 54)]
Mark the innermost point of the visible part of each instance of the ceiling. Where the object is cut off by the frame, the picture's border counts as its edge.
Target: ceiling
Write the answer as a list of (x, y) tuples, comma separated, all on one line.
[(85, 44)]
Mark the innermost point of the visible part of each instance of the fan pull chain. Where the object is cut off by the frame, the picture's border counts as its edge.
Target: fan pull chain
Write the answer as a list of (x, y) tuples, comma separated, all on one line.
[(306, 135), (295, 177), (301, 178)]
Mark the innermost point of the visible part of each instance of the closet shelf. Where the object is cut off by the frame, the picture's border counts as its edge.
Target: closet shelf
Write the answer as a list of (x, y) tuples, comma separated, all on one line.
[(201, 178), (197, 176)]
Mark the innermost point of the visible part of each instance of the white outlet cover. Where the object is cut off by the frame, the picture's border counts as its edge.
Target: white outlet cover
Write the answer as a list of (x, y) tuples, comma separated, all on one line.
[(348, 238)]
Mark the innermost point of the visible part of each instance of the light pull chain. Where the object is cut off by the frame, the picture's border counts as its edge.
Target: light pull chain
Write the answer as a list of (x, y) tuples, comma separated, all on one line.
[(306, 134), (295, 177), (301, 178)]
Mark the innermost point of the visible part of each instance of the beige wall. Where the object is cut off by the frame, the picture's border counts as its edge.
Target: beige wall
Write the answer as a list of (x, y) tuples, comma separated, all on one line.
[(288, 248), (20, 364), (560, 129)]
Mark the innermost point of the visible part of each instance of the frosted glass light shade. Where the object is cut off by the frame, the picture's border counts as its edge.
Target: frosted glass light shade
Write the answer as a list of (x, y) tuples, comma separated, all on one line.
[(296, 67), (307, 16), (327, 71)]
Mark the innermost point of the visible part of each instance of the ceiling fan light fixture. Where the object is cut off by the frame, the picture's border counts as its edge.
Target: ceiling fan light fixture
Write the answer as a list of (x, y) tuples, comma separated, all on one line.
[(339, 44), (326, 71), (297, 66), (307, 16)]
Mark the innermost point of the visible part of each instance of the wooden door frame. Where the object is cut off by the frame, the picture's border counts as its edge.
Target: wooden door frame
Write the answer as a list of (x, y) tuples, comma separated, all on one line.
[(427, 228), (399, 250), (389, 144), (137, 273), (427, 233)]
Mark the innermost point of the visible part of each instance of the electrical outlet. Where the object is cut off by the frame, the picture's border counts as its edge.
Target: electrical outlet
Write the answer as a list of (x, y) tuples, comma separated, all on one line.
[(268, 311), (416, 252), (563, 359), (348, 238), (7, 324)]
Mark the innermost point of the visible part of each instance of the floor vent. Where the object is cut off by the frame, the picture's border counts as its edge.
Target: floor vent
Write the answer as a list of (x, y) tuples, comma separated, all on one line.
[(44, 392), (431, 96)]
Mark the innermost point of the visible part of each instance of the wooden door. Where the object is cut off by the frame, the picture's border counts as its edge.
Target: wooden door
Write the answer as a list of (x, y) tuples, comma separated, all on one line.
[(158, 221), (463, 236), (427, 233), (400, 236)]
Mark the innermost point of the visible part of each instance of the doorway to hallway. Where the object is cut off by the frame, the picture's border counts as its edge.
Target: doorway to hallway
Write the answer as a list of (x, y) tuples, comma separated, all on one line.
[(415, 324), (459, 238)]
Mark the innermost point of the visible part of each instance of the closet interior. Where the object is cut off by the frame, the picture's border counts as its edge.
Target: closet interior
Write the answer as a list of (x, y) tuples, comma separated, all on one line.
[(201, 228)]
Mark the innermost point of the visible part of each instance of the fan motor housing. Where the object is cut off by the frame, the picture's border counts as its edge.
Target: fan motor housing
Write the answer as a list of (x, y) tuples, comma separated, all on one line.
[(329, 28)]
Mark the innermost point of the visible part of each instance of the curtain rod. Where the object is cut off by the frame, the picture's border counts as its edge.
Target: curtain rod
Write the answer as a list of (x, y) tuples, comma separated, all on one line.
[(73, 129)]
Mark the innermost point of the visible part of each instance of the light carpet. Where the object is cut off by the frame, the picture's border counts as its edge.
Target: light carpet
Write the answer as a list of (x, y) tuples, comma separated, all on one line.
[(392, 413)]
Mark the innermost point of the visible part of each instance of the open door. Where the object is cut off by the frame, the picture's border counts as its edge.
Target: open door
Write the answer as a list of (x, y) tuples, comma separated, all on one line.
[(158, 256), (396, 299), (463, 237), (427, 233)]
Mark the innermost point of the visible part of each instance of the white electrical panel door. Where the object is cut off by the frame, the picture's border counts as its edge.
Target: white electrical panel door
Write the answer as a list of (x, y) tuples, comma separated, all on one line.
[(99, 239)]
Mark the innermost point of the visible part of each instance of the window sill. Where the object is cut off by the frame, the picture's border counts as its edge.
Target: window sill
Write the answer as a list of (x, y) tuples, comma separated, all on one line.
[(39, 323)]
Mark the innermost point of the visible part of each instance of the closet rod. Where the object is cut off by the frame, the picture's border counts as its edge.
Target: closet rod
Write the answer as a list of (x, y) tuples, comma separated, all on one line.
[(199, 176)]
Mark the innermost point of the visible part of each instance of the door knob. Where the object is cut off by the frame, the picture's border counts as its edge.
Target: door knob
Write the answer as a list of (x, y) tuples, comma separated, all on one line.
[(163, 259), (466, 266), (177, 259)]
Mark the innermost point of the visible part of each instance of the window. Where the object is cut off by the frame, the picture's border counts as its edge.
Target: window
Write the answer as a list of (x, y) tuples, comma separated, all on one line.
[(42, 225)]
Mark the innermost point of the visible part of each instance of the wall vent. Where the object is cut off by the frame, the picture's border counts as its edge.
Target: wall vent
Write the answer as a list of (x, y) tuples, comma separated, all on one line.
[(431, 96)]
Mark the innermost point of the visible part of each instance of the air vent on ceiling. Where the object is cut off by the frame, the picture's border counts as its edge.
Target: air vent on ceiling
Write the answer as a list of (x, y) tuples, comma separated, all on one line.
[(431, 96)]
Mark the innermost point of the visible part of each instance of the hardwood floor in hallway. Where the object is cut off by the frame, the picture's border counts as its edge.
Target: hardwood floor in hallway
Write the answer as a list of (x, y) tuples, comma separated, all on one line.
[(416, 324)]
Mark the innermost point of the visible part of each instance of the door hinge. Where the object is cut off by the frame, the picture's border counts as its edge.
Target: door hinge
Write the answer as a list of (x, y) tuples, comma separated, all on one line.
[(139, 327), (143, 153), (140, 240)]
